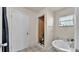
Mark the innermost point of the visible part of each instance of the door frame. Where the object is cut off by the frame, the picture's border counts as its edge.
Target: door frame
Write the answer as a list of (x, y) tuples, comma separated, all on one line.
[(44, 28)]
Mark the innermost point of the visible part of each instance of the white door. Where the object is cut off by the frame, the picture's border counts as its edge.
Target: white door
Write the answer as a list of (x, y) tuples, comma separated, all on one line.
[(20, 24), (0, 29), (25, 30)]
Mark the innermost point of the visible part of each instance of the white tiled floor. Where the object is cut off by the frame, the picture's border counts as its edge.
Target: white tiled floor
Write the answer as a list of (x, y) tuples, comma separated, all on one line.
[(38, 49)]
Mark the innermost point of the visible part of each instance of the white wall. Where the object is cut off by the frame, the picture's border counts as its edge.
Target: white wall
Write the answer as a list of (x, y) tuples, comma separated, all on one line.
[(0, 28), (63, 32), (50, 28), (13, 38), (77, 28)]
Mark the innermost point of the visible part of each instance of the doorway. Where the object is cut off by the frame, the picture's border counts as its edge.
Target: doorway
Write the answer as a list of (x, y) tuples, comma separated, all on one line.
[(41, 30)]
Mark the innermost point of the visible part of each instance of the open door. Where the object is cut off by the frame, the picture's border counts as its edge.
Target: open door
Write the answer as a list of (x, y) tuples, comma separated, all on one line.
[(41, 30)]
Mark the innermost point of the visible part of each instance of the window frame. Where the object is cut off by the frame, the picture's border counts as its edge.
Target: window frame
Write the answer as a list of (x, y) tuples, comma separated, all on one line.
[(65, 21)]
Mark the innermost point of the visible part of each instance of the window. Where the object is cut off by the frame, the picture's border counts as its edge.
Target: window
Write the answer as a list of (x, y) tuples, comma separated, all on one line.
[(66, 21)]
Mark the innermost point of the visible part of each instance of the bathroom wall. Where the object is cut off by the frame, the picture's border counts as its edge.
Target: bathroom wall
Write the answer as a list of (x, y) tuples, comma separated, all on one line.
[(0, 28), (77, 29), (15, 32), (63, 32), (50, 28), (49, 17)]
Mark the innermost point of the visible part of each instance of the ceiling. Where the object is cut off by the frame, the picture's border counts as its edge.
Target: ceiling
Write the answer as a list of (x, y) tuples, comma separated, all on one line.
[(37, 9), (53, 9)]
